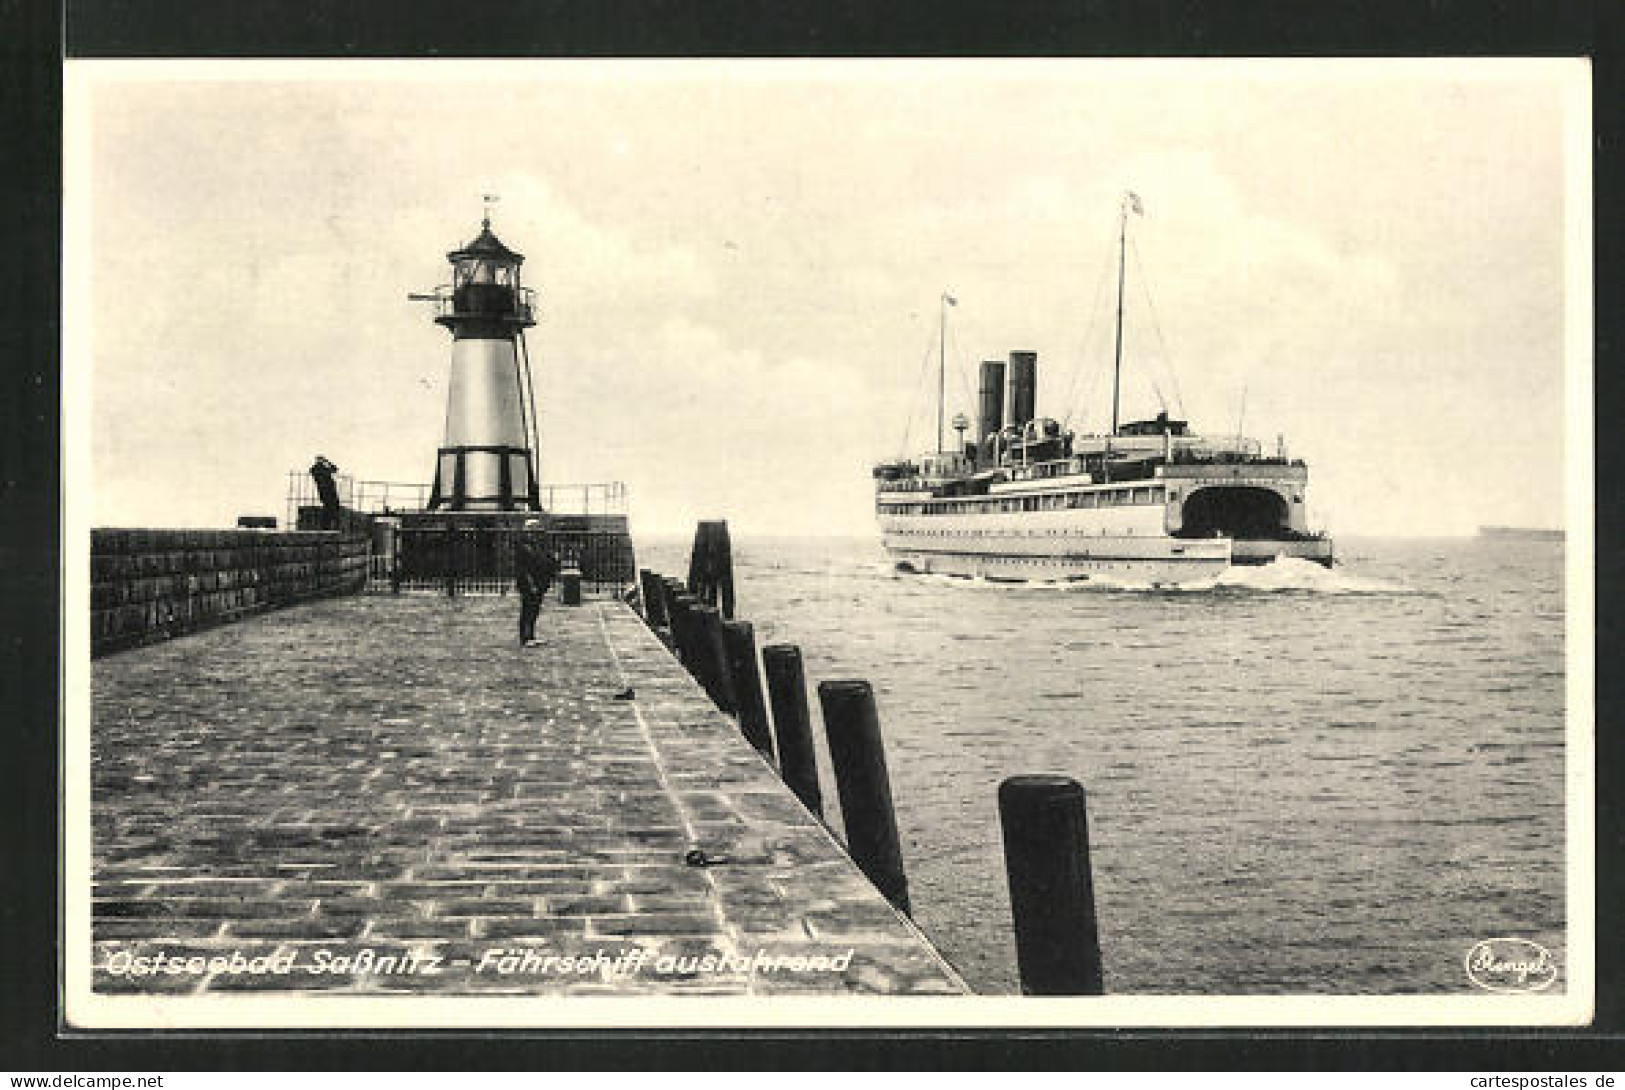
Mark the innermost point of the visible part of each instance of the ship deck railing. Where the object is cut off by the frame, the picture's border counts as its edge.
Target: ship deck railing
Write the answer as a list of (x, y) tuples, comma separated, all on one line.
[(1116, 472)]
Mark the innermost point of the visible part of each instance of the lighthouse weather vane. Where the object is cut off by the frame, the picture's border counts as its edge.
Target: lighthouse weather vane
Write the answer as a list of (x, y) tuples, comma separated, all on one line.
[(489, 199)]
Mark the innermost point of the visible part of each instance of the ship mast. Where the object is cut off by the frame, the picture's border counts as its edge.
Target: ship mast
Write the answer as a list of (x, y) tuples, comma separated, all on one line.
[(942, 361), (1130, 201)]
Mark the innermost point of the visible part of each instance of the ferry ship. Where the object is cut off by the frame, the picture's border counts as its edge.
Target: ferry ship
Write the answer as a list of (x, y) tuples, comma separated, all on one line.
[(1149, 502)]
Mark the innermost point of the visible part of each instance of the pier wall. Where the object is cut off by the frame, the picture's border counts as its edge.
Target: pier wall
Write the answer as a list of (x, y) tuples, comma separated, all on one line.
[(151, 584)]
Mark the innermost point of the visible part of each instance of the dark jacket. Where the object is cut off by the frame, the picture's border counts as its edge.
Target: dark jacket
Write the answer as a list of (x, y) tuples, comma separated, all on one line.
[(535, 569)]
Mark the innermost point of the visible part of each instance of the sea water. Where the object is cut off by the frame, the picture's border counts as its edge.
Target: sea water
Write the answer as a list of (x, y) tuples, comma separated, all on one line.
[(1299, 779)]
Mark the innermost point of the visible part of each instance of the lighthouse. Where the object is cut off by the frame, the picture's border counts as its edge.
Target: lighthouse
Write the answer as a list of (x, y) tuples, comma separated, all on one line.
[(487, 460)]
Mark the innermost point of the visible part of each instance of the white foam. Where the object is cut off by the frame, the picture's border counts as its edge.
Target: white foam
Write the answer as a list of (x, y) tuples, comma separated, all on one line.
[(1281, 574), (1291, 573)]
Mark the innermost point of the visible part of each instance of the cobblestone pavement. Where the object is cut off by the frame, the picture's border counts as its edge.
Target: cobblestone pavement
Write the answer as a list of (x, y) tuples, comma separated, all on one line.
[(384, 794)]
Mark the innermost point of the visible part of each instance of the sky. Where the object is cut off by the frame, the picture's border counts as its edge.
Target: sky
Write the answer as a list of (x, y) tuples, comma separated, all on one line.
[(739, 266)]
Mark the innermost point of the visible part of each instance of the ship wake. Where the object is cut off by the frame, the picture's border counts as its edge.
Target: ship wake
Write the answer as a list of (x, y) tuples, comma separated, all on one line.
[(1292, 574), (1282, 575)]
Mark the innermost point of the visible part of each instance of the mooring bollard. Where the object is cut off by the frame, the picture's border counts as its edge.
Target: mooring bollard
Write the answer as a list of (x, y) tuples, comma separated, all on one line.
[(570, 587), (710, 566), (855, 749), (1052, 896), (713, 659), (666, 594), (787, 690), (739, 641), (684, 631), (692, 646), (699, 563), (669, 590), (654, 611)]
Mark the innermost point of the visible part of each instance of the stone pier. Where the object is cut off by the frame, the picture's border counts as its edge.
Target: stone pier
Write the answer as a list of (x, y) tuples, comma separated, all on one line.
[(382, 795)]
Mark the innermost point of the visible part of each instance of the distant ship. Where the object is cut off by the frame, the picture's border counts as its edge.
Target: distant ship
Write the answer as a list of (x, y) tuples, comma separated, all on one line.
[(1520, 533), (1148, 502)]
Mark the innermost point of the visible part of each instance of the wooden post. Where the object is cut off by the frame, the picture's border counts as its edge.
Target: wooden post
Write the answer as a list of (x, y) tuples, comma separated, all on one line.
[(668, 590), (699, 564), (787, 690), (723, 568), (739, 640), (859, 756), (710, 567), (684, 631), (713, 659), (654, 605), (1052, 897), (690, 639)]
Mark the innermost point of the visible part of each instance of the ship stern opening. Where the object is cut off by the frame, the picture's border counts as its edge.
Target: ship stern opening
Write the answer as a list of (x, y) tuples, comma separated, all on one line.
[(1236, 512)]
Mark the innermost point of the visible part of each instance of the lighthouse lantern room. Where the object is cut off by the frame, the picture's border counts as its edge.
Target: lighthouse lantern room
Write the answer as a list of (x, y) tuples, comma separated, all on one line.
[(487, 461)]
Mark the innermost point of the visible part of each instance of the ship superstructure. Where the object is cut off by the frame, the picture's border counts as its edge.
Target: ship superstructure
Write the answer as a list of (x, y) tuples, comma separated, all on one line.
[(1148, 501)]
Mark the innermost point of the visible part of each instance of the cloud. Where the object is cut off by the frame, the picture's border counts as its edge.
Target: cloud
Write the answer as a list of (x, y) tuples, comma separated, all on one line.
[(739, 268), (718, 429)]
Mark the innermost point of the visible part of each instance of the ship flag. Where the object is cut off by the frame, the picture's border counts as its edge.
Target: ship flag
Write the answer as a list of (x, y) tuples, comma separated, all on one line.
[(950, 300), (1134, 203)]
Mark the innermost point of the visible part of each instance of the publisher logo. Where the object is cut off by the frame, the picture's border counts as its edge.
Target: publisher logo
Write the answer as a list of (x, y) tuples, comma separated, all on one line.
[(1511, 965)]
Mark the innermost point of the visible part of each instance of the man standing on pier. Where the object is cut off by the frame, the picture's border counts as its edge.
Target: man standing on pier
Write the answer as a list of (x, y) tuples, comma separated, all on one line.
[(535, 567)]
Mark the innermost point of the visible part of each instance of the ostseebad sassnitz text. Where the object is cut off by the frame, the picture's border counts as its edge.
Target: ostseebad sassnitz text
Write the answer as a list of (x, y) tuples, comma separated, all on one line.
[(494, 961)]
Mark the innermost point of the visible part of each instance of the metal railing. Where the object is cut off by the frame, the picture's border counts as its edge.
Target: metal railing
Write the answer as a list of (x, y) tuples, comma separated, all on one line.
[(390, 497), (302, 493), (398, 497), (444, 300), (605, 498), (482, 561)]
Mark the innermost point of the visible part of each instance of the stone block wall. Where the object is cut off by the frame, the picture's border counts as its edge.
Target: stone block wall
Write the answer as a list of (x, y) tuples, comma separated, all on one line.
[(153, 584)]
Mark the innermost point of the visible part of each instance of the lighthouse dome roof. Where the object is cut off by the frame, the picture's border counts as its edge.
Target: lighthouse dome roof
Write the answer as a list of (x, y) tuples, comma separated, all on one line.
[(486, 245)]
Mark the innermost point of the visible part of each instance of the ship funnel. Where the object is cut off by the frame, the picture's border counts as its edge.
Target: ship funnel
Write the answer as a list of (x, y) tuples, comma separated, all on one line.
[(1023, 387), (990, 411)]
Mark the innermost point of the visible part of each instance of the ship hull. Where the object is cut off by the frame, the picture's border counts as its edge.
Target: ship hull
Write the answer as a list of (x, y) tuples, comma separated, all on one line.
[(1130, 531), (1124, 544), (1145, 564)]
